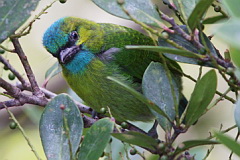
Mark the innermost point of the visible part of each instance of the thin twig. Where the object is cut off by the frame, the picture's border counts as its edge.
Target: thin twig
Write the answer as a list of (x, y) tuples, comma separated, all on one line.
[(15, 72), (23, 133)]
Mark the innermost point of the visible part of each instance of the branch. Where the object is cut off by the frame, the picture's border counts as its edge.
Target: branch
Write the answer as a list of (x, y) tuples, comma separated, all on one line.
[(28, 70), (15, 72)]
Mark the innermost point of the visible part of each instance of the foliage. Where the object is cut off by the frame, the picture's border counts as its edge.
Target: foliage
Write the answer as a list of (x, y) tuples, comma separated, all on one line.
[(64, 122)]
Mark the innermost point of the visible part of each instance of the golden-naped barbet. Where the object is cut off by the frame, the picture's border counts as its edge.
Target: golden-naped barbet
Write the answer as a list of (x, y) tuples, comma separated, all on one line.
[(89, 52)]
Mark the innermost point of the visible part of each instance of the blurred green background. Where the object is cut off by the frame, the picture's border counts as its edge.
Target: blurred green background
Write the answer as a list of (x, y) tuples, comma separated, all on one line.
[(12, 144)]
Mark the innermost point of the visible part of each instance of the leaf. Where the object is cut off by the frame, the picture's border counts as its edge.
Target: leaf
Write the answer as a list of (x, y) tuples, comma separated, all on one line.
[(53, 130), (140, 97), (156, 87), (161, 49), (201, 97), (193, 143), (96, 139), (137, 138), (188, 46), (229, 32), (139, 9), (13, 13), (237, 113), (229, 142), (235, 56), (233, 7), (212, 20), (184, 7), (51, 72), (199, 10)]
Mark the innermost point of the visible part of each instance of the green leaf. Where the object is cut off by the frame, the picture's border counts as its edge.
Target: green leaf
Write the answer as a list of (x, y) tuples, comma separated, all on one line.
[(232, 7), (199, 10), (51, 72), (161, 49), (56, 136), (237, 113), (96, 139), (229, 32), (188, 46), (139, 9), (13, 13), (156, 87), (201, 97), (229, 142), (184, 7), (193, 143), (212, 20), (139, 96), (235, 55), (137, 138)]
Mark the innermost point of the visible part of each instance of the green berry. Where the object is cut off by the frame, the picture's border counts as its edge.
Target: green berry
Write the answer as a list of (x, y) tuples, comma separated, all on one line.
[(5, 68), (161, 146), (217, 8), (120, 2), (164, 157), (11, 76), (103, 110), (124, 125), (62, 1), (133, 151), (13, 125), (2, 51), (165, 35)]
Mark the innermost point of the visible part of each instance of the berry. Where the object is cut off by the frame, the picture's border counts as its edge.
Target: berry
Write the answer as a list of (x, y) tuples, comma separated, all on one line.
[(2, 51), (11, 76), (12, 125), (124, 125), (103, 110), (133, 151), (62, 1), (165, 35), (217, 8)]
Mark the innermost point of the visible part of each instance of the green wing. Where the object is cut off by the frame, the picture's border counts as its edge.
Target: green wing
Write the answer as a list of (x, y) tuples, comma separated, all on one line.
[(132, 62)]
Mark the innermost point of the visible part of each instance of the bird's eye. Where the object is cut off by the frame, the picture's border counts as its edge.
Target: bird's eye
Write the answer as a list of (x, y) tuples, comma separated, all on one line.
[(74, 36)]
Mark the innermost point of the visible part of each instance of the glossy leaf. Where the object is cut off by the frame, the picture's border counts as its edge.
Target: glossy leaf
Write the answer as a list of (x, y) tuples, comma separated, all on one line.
[(232, 7), (212, 20), (193, 143), (57, 125), (229, 32), (229, 142), (96, 139), (189, 46), (237, 113), (140, 97), (199, 10), (184, 7), (201, 97), (13, 13), (156, 87), (161, 49), (235, 55), (137, 138), (139, 9), (51, 72)]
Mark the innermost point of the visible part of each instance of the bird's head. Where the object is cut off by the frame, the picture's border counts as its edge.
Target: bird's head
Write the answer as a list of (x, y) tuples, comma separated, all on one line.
[(73, 41), (68, 36)]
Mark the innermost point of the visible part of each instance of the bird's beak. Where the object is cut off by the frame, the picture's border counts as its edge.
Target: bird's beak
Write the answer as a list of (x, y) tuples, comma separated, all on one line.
[(67, 54)]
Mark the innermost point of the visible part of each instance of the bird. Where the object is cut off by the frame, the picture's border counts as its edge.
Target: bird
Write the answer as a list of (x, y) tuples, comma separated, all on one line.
[(90, 52)]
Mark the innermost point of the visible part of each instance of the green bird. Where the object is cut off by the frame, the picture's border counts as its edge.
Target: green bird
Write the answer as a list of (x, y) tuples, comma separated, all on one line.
[(89, 52)]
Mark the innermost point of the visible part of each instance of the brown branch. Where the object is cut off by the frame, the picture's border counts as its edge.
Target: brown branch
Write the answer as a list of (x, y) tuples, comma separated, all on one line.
[(28, 70), (15, 72)]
